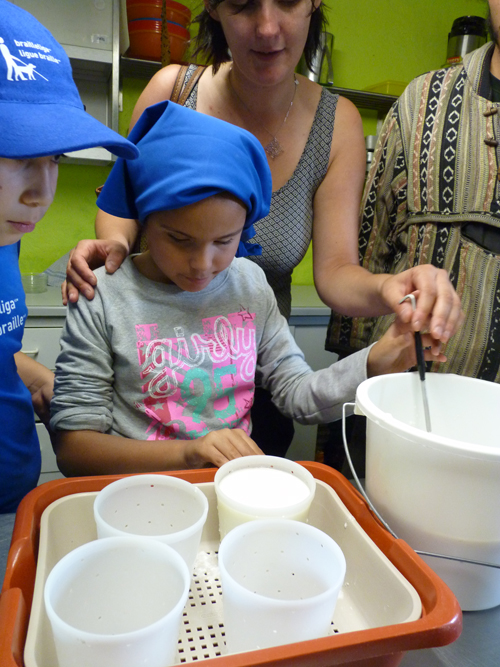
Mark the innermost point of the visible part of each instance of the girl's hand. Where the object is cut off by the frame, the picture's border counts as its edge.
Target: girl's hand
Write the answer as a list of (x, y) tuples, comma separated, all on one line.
[(218, 447), (395, 351)]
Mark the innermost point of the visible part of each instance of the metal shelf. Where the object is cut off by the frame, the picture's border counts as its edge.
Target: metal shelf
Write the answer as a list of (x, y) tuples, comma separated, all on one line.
[(145, 69), (138, 69), (365, 100)]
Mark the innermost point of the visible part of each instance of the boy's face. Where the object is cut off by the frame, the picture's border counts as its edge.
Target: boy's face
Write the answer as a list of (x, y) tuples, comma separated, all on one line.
[(189, 246), (27, 188)]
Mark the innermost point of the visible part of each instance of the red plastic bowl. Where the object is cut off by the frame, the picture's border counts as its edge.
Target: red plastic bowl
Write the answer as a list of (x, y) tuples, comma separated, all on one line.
[(151, 9), (145, 40)]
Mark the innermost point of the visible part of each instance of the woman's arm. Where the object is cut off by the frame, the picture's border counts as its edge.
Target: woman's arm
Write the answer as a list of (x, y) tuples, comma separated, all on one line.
[(317, 397), (114, 236), (342, 284)]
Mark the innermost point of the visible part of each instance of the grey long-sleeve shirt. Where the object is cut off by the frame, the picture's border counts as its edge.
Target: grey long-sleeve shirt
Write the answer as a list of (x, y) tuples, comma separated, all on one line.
[(146, 360)]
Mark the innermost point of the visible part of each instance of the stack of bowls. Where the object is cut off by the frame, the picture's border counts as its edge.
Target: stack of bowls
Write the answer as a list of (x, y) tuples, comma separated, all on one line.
[(144, 27)]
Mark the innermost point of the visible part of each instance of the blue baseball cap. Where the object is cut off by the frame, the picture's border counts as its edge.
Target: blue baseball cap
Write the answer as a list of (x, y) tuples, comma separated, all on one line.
[(41, 112), (187, 156)]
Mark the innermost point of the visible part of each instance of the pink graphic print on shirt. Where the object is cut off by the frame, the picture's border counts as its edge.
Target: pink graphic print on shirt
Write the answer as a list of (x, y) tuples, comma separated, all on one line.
[(208, 376)]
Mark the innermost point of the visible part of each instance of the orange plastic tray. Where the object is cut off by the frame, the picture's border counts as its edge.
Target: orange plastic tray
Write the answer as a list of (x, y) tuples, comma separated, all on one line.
[(440, 623)]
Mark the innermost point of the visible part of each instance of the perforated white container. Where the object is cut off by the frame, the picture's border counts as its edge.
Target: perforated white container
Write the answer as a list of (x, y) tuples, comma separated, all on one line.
[(280, 583), (370, 577), (160, 507), (117, 602), (267, 487)]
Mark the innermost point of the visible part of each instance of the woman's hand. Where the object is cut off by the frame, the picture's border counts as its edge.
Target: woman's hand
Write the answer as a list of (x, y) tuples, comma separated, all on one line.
[(218, 447), (438, 306), (395, 351), (88, 255)]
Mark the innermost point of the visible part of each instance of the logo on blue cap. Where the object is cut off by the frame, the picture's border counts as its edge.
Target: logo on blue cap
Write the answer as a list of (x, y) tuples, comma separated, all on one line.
[(41, 112), (17, 69)]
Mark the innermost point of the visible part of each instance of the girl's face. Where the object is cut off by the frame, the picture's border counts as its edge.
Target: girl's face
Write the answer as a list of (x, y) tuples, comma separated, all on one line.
[(27, 189), (266, 37), (189, 246)]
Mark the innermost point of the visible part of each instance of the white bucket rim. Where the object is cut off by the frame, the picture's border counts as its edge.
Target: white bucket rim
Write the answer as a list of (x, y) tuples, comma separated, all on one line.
[(365, 406)]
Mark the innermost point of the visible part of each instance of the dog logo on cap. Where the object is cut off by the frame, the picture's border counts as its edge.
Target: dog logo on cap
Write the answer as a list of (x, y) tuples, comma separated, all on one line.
[(13, 66)]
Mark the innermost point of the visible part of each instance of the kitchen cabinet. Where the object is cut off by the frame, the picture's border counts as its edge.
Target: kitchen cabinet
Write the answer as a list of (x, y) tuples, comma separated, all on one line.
[(89, 32), (308, 324), (42, 332)]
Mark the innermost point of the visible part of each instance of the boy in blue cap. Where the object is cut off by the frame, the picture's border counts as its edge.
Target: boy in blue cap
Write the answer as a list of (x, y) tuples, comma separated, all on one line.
[(158, 371), (41, 116)]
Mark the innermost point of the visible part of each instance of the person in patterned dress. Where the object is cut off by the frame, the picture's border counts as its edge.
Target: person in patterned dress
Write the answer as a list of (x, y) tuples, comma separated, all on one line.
[(433, 197)]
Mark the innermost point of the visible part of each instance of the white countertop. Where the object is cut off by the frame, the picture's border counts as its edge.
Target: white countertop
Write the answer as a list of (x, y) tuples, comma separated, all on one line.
[(305, 303), (46, 304)]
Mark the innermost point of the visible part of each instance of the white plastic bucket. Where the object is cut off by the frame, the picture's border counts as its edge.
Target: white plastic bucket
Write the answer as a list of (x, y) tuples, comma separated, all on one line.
[(439, 491), (262, 487), (160, 507), (280, 583), (117, 602)]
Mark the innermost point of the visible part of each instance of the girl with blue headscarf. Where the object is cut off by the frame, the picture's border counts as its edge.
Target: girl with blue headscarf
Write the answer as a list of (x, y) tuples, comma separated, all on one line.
[(159, 370)]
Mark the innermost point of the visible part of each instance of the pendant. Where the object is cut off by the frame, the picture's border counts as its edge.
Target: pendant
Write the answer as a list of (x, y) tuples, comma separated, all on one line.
[(274, 148)]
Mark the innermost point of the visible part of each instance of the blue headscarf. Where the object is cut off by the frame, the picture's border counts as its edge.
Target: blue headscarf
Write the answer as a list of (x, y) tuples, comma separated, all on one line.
[(187, 156)]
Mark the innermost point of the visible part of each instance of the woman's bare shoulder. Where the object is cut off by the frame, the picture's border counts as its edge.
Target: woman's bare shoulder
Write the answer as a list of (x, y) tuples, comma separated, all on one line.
[(347, 112), (348, 124), (348, 141), (157, 90)]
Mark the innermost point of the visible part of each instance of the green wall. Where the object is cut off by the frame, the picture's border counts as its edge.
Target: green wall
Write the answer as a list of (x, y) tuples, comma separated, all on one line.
[(375, 41)]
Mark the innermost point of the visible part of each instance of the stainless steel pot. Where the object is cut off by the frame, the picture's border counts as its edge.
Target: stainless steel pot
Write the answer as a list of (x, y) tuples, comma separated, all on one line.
[(467, 34), (322, 60)]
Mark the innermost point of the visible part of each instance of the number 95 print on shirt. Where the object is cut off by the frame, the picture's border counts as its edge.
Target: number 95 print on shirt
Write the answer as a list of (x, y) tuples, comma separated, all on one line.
[(192, 383)]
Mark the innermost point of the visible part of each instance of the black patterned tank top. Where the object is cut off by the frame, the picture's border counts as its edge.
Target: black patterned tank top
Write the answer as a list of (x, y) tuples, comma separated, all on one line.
[(286, 232)]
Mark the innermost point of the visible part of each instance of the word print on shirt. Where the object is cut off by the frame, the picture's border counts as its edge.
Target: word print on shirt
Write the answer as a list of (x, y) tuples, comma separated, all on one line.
[(195, 383), (9, 319)]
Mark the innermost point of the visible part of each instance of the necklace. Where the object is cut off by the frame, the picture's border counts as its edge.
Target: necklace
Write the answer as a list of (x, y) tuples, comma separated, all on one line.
[(273, 148)]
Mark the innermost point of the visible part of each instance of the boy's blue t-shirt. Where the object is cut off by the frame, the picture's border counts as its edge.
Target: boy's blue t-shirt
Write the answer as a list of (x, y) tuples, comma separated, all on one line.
[(20, 459)]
